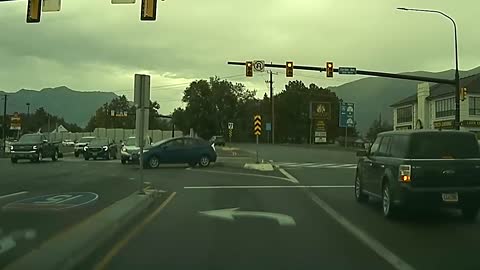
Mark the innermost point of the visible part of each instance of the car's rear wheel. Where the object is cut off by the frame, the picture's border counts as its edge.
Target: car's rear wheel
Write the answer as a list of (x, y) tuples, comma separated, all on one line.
[(77, 154), (55, 156), (124, 161), (359, 195), (86, 157), (204, 161), (153, 162), (388, 208), (14, 160), (470, 213), (107, 157)]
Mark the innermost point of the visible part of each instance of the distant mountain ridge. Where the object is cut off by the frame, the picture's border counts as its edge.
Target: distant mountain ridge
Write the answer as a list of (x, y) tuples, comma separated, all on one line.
[(74, 106), (373, 96)]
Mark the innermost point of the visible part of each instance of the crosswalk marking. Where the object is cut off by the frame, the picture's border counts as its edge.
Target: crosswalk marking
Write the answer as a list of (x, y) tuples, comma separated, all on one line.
[(317, 165)]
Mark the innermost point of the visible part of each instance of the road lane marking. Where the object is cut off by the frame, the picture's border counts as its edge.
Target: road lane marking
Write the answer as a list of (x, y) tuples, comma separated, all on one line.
[(361, 235), (251, 187), (13, 194), (242, 174), (135, 231), (289, 176)]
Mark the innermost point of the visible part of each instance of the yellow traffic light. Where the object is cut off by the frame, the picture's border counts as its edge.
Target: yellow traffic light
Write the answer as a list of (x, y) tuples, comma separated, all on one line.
[(34, 11), (329, 69), (463, 93), (289, 69), (149, 10), (249, 68)]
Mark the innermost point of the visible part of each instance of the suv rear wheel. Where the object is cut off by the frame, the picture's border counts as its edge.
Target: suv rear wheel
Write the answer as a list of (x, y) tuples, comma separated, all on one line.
[(388, 208)]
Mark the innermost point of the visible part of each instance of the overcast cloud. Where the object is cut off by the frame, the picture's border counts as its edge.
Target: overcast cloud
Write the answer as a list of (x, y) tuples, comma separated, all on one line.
[(94, 45)]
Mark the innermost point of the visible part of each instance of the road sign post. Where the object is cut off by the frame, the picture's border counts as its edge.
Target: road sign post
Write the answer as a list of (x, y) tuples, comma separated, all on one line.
[(142, 103), (230, 131), (257, 129)]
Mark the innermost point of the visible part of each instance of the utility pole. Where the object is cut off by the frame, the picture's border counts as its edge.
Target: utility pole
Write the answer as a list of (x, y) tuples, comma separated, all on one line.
[(4, 126), (272, 103)]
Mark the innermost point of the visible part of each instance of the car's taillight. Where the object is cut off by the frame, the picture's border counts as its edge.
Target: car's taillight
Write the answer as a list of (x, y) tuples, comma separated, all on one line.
[(405, 173)]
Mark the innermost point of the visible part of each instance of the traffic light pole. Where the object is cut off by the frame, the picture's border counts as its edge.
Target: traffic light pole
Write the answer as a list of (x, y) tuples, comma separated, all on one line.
[(362, 72), (4, 125)]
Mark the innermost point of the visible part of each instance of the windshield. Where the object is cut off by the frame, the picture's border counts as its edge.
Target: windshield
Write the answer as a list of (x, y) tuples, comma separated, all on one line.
[(158, 143), (85, 140), (30, 138), (131, 141), (99, 142), (443, 145)]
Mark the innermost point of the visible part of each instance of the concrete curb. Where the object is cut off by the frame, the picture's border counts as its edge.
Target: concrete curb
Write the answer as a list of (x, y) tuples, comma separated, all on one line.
[(68, 249), (259, 167)]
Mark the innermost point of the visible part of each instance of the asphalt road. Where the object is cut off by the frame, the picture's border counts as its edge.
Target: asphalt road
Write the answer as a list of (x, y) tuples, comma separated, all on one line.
[(305, 218), (25, 225)]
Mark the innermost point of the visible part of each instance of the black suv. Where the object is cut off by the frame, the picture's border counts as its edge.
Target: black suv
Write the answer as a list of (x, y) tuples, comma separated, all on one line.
[(100, 148), (421, 168)]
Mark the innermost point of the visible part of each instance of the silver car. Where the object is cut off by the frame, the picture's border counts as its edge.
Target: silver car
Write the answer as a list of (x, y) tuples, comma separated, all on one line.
[(130, 152)]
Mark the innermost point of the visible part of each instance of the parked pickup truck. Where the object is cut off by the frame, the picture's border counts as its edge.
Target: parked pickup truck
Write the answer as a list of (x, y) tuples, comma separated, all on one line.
[(421, 168), (34, 147)]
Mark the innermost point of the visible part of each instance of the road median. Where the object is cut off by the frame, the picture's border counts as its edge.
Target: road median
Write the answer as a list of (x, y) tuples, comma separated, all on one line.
[(69, 248)]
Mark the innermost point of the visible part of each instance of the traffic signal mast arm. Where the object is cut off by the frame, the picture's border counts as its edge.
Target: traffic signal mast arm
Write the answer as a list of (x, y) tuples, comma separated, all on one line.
[(360, 72)]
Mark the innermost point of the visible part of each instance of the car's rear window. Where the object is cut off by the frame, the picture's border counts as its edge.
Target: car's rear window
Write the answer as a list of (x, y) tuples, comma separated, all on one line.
[(443, 145)]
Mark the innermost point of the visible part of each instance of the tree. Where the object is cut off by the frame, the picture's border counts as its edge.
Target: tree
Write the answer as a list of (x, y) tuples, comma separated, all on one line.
[(378, 126), (210, 105)]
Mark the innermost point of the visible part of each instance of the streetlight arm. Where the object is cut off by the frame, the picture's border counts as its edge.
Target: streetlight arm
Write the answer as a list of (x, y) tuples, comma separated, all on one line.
[(457, 75)]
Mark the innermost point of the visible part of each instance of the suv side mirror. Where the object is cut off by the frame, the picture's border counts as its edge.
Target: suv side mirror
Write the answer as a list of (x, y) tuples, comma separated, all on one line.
[(361, 153)]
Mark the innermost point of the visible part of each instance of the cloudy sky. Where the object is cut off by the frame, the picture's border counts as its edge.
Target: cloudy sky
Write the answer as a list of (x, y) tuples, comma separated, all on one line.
[(94, 45)]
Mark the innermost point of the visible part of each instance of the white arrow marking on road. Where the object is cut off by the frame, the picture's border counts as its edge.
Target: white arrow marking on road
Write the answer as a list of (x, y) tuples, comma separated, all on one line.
[(230, 214)]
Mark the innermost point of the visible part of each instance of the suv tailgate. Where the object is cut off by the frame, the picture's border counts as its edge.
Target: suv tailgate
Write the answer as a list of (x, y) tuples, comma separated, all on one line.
[(445, 173)]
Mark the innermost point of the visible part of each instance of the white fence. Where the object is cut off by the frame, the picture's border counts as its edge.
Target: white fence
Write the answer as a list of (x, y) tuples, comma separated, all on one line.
[(115, 134)]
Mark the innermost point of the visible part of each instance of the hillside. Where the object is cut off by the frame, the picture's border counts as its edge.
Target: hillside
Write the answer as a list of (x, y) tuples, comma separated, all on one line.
[(373, 95), (74, 106)]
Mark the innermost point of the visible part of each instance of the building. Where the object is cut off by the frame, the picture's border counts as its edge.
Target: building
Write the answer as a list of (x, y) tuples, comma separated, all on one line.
[(433, 107)]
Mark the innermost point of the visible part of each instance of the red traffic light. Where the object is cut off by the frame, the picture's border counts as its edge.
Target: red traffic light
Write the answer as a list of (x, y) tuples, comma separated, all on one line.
[(289, 69), (249, 68), (329, 69)]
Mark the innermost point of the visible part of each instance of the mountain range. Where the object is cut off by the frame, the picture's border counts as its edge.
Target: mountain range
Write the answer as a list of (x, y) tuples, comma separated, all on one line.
[(373, 96), (74, 106)]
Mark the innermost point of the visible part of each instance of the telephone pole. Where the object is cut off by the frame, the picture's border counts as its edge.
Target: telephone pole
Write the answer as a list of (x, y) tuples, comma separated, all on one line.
[(272, 103)]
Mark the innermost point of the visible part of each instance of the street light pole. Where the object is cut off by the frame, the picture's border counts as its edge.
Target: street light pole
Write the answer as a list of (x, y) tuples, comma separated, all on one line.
[(457, 74)]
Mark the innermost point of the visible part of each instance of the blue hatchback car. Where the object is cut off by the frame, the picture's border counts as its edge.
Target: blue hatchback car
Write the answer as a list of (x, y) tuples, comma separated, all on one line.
[(180, 150)]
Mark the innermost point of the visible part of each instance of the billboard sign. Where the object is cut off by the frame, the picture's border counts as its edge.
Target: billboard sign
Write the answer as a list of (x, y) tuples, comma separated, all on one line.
[(320, 110)]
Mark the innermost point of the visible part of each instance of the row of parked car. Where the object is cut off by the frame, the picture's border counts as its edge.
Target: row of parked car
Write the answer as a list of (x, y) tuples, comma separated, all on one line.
[(188, 150)]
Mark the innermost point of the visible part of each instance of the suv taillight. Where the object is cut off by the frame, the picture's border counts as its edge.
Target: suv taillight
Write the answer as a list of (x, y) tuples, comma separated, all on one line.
[(405, 173)]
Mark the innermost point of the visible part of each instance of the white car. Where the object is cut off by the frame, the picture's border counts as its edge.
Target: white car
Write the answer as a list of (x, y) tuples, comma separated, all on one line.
[(68, 143)]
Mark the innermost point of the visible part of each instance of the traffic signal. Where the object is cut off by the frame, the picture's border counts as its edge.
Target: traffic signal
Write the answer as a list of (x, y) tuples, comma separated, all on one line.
[(34, 11), (249, 68), (289, 69), (463, 93), (149, 10), (329, 69)]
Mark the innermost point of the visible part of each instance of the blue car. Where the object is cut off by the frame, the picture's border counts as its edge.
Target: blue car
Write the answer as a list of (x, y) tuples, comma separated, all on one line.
[(188, 150)]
